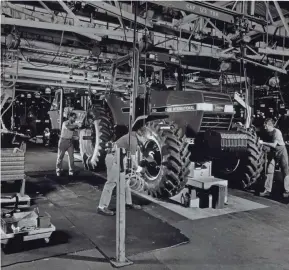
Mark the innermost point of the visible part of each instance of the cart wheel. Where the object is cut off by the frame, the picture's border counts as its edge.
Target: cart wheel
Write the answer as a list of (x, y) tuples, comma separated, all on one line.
[(47, 240)]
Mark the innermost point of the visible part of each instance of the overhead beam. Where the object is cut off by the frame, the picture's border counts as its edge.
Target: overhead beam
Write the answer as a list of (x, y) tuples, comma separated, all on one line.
[(46, 7), (35, 14), (271, 67), (215, 54), (61, 84), (119, 17), (116, 12), (192, 17), (252, 8), (286, 65), (282, 16), (69, 28), (69, 12), (49, 18), (208, 10), (197, 9), (281, 52)]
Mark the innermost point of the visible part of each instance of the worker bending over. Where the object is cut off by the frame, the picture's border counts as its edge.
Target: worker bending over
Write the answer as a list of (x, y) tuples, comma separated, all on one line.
[(278, 153), (65, 144), (113, 173)]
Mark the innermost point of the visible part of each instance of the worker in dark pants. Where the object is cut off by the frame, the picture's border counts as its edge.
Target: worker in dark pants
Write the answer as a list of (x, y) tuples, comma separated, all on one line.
[(113, 173), (65, 144), (278, 153)]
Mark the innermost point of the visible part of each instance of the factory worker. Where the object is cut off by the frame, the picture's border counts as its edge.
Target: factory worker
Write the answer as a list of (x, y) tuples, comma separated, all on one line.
[(113, 173), (278, 153), (65, 144)]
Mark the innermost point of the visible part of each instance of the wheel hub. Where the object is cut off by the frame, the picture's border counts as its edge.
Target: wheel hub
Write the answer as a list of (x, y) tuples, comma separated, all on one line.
[(153, 169), (229, 165)]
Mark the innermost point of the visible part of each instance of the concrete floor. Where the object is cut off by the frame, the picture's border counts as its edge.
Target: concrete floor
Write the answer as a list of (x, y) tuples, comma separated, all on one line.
[(254, 239)]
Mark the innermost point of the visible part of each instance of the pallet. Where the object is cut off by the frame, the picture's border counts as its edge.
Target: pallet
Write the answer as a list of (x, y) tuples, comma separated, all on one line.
[(39, 233)]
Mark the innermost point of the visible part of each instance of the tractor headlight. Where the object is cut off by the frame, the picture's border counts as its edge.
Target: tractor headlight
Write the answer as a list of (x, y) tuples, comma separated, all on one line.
[(204, 107), (229, 109), (152, 56)]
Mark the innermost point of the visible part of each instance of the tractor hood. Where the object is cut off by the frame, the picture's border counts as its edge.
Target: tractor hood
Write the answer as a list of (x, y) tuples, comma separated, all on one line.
[(194, 111)]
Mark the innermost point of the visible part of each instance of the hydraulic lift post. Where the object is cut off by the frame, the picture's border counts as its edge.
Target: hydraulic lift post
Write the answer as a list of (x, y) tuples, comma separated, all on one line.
[(121, 260), (61, 108)]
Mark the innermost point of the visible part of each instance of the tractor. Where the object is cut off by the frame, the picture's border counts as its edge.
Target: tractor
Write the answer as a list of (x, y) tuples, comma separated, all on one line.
[(180, 125)]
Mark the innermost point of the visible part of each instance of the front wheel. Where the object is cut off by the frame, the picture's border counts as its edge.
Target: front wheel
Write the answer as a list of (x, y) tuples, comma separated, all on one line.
[(166, 176)]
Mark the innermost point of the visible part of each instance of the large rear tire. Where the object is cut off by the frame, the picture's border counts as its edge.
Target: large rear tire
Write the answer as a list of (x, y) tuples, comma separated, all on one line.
[(93, 151), (245, 170), (167, 176), (253, 164)]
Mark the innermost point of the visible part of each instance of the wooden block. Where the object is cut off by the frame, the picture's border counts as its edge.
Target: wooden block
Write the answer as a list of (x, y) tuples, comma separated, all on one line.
[(12, 168), (12, 159), (219, 196), (206, 182), (5, 153), (12, 177), (195, 203), (13, 172), (12, 163)]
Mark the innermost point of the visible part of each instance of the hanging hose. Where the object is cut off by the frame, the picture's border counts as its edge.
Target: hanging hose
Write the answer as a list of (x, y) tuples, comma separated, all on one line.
[(136, 181), (15, 78), (10, 105)]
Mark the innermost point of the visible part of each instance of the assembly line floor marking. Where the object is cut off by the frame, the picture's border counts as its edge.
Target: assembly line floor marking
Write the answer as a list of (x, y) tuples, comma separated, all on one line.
[(235, 205)]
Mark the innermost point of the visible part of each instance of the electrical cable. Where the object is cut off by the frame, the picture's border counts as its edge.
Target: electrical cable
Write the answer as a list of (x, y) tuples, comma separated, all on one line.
[(120, 8), (13, 100), (57, 54), (145, 91), (15, 78), (132, 113)]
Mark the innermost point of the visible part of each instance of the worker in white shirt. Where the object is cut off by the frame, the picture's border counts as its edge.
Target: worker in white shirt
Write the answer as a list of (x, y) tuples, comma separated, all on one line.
[(113, 171), (65, 144)]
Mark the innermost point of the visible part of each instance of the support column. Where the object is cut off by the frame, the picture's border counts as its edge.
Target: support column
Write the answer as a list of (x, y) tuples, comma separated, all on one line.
[(120, 259)]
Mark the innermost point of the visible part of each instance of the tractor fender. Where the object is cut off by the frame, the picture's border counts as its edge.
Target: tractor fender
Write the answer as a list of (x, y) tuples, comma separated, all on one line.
[(143, 119), (118, 107)]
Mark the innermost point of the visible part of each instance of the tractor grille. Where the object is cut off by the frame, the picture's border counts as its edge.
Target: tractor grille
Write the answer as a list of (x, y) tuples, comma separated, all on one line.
[(216, 121), (216, 99)]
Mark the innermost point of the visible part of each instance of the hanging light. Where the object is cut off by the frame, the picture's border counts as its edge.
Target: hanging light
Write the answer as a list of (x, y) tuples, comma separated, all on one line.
[(176, 74), (225, 66), (274, 82), (28, 95), (47, 90)]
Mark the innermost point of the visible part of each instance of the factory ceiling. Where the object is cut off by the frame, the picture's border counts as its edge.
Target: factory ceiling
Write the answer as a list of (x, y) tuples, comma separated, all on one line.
[(74, 43)]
